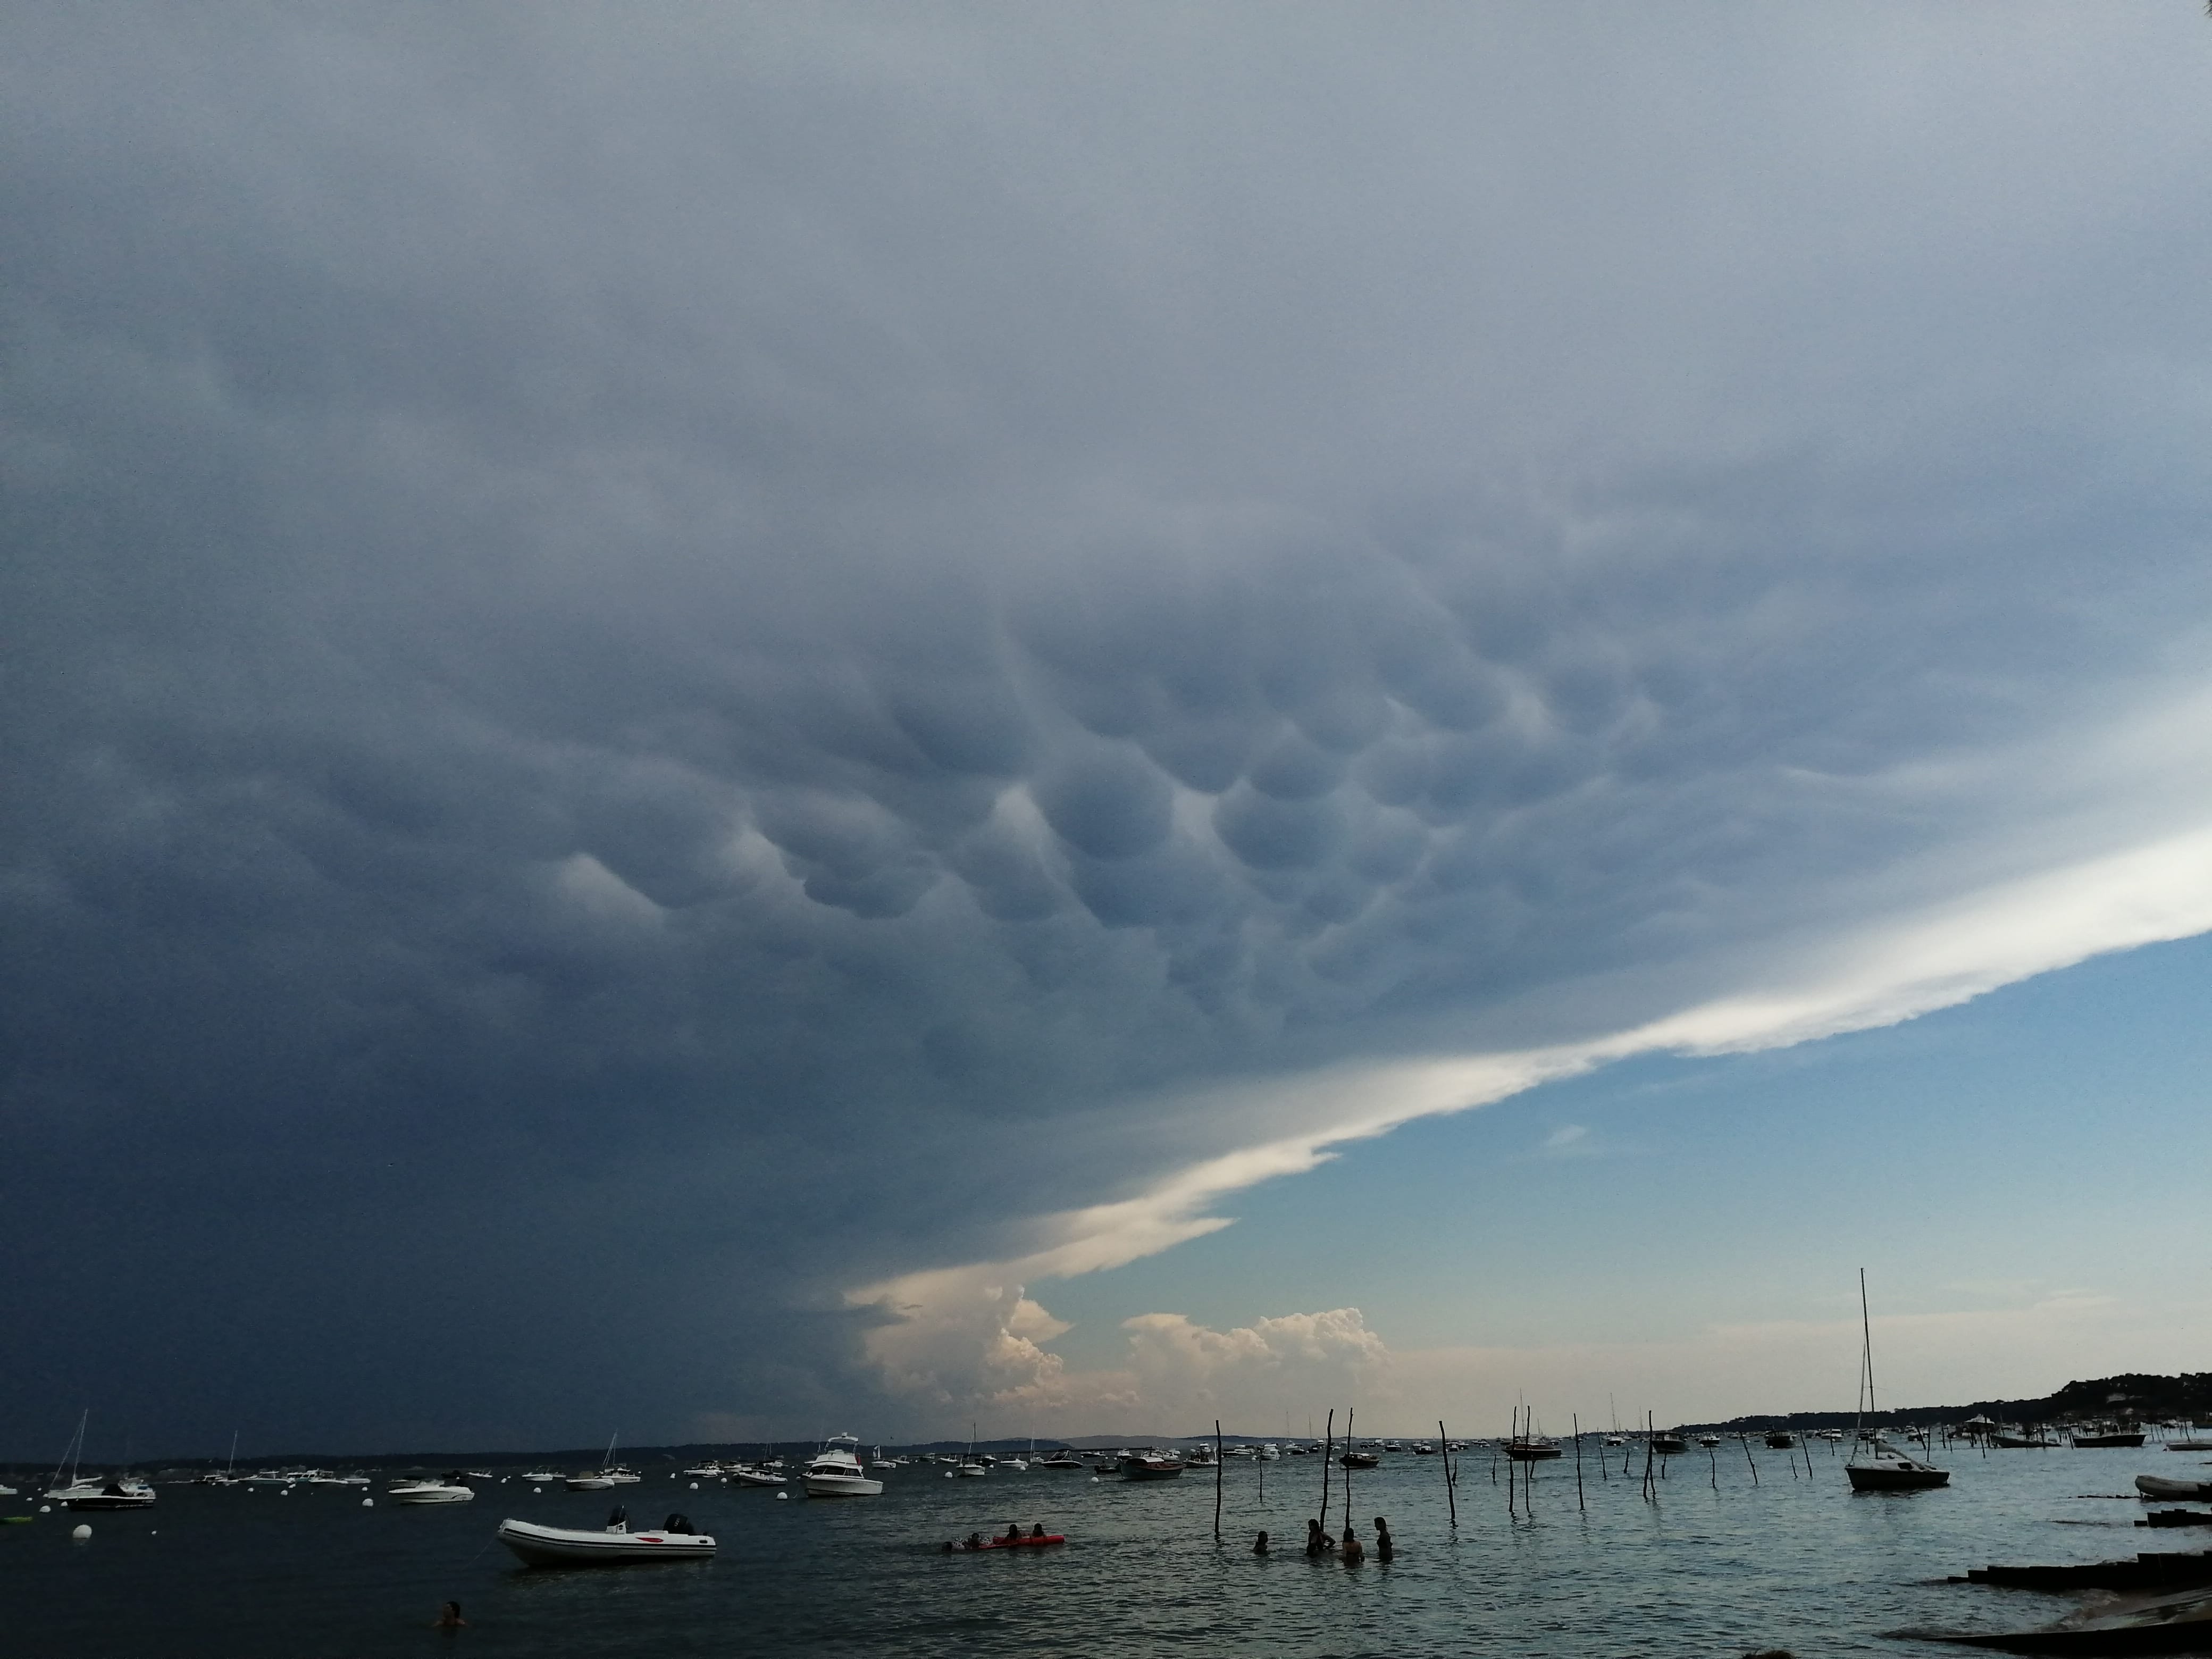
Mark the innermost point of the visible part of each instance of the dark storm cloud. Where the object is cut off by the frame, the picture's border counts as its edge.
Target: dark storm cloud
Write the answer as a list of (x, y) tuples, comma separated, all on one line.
[(652, 671)]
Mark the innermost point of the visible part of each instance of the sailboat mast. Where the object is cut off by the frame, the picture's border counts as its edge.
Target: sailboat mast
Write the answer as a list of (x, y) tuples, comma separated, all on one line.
[(1866, 1333)]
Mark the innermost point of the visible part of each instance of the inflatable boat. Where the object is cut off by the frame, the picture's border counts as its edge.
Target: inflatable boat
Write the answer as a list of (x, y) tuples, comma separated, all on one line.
[(612, 1545)]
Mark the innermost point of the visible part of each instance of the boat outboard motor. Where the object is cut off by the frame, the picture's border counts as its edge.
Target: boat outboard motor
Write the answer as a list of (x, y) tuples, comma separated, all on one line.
[(677, 1523), (619, 1520)]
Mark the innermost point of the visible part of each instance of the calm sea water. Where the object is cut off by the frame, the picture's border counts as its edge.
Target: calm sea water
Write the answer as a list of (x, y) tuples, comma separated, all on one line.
[(1718, 1565)]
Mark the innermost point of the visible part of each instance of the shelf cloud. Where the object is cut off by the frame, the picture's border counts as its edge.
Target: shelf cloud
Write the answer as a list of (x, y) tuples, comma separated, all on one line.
[(723, 693)]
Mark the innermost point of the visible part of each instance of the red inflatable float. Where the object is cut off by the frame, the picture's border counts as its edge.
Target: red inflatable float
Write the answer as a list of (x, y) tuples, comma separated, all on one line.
[(1028, 1541)]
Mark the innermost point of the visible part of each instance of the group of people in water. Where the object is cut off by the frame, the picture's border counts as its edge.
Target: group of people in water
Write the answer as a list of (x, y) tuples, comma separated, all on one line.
[(1013, 1535), (1347, 1549)]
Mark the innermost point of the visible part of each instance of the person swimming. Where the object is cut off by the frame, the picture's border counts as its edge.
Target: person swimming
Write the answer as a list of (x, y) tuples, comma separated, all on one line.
[(1260, 1545), (1038, 1531), (449, 1618), (1318, 1542), (1383, 1551), (975, 1541), (1350, 1550)]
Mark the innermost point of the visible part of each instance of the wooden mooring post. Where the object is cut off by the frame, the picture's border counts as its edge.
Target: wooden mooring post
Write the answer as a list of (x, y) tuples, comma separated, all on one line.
[(1580, 1502), (1218, 1460), (1328, 1457), (1443, 1450)]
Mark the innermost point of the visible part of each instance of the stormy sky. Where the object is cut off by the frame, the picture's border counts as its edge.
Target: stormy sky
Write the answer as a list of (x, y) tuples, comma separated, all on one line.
[(705, 705)]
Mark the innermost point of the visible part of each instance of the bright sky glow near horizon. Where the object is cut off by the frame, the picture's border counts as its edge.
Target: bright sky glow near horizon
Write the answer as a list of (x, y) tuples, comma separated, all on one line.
[(753, 720)]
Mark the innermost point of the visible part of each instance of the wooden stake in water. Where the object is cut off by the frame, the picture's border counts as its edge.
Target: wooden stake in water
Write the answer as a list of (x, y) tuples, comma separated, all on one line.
[(1443, 1450), (1217, 1461), (1650, 1493), (1328, 1457), (1746, 1439), (1577, 1422), (1347, 1470), (1512, 1498)]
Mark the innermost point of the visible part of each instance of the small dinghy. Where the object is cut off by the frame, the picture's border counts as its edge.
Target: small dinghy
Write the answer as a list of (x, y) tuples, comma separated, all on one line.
[(2155, 1486), (614, 1546)]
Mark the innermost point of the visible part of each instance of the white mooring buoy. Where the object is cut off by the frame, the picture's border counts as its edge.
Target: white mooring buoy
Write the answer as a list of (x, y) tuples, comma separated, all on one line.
[(80, 1531), (782, 1497), (368, 1503)]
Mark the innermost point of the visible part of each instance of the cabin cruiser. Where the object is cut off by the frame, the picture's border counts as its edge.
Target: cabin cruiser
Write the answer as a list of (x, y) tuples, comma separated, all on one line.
[(613, 1545), (123, 1492), (836, 1471), (1061, 1460), (1780, 1439), (449, 1488), (541, 1477), (1151, 1466), (755, 1475)]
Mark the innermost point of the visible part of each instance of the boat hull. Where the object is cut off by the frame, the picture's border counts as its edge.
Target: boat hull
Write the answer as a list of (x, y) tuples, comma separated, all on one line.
[(566, 1546), (1895, 1476), (429, 1495), (2152, 1485), (841, 1485), (1152, 1468)]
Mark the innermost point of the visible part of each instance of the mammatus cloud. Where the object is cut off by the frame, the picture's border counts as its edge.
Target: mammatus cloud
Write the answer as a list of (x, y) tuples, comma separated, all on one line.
[(1942, 954)]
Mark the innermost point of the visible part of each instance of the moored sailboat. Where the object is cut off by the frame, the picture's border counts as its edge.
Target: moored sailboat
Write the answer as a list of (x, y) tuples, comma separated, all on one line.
[(1875, 1465)]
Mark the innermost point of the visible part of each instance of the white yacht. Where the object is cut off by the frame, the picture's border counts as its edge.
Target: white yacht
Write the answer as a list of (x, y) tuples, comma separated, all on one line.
[(447, 1489), (541, 1477), (836, 1471)]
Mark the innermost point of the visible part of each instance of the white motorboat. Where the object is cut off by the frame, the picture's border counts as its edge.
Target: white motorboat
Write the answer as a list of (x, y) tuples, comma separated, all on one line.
[(615, 1544), (753, 1475), (447, 1489), (125, 1491), (541, 1477), (598, 1480), (836, 1471)]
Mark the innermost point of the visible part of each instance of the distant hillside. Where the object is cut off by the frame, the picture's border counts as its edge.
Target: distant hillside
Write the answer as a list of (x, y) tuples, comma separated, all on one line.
[(2154, 1399)]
